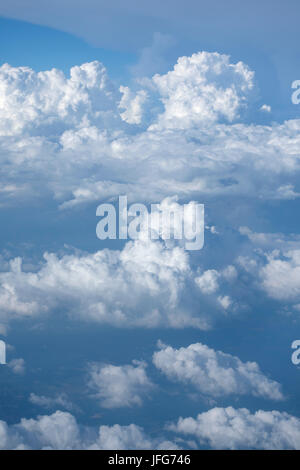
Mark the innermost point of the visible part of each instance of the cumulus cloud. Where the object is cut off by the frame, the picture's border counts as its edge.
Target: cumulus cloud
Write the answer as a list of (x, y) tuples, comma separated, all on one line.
[(215, 373), (129, 437), (229, 428), (202, 89), (145, 285), (149, 283), (50, 101), (208, 281), (60, 431), (220, 428), (119, 386), (281, 275), (274, 263)]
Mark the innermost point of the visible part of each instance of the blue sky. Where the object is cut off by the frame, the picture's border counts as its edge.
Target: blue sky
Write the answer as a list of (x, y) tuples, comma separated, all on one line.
[(116, 343)]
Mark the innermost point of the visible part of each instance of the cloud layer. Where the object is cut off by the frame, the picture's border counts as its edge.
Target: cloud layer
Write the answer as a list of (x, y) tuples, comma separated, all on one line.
[(219, 428), (60, 431), (79, 139)]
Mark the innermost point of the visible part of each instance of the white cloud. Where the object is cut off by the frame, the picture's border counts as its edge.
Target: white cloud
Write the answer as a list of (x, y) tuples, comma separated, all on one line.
[(271, 243), (202, 89), (286, 191), (60, 400), (133, 105), (222, 160), (281, 275), (74, 136), (225, 301), (48, 101), (61, 431), (119, 386), (215, 373), (266, 108), (273, 266), (208, 281), (275, 263), (229, 428), (121, 437), (145, 285)]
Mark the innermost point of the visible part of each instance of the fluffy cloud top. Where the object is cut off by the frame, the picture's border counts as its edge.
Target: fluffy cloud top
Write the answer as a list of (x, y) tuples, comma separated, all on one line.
[(202, 89), (46, 101), (119, 386), (229, 428), (215, 373), (80, 140)]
